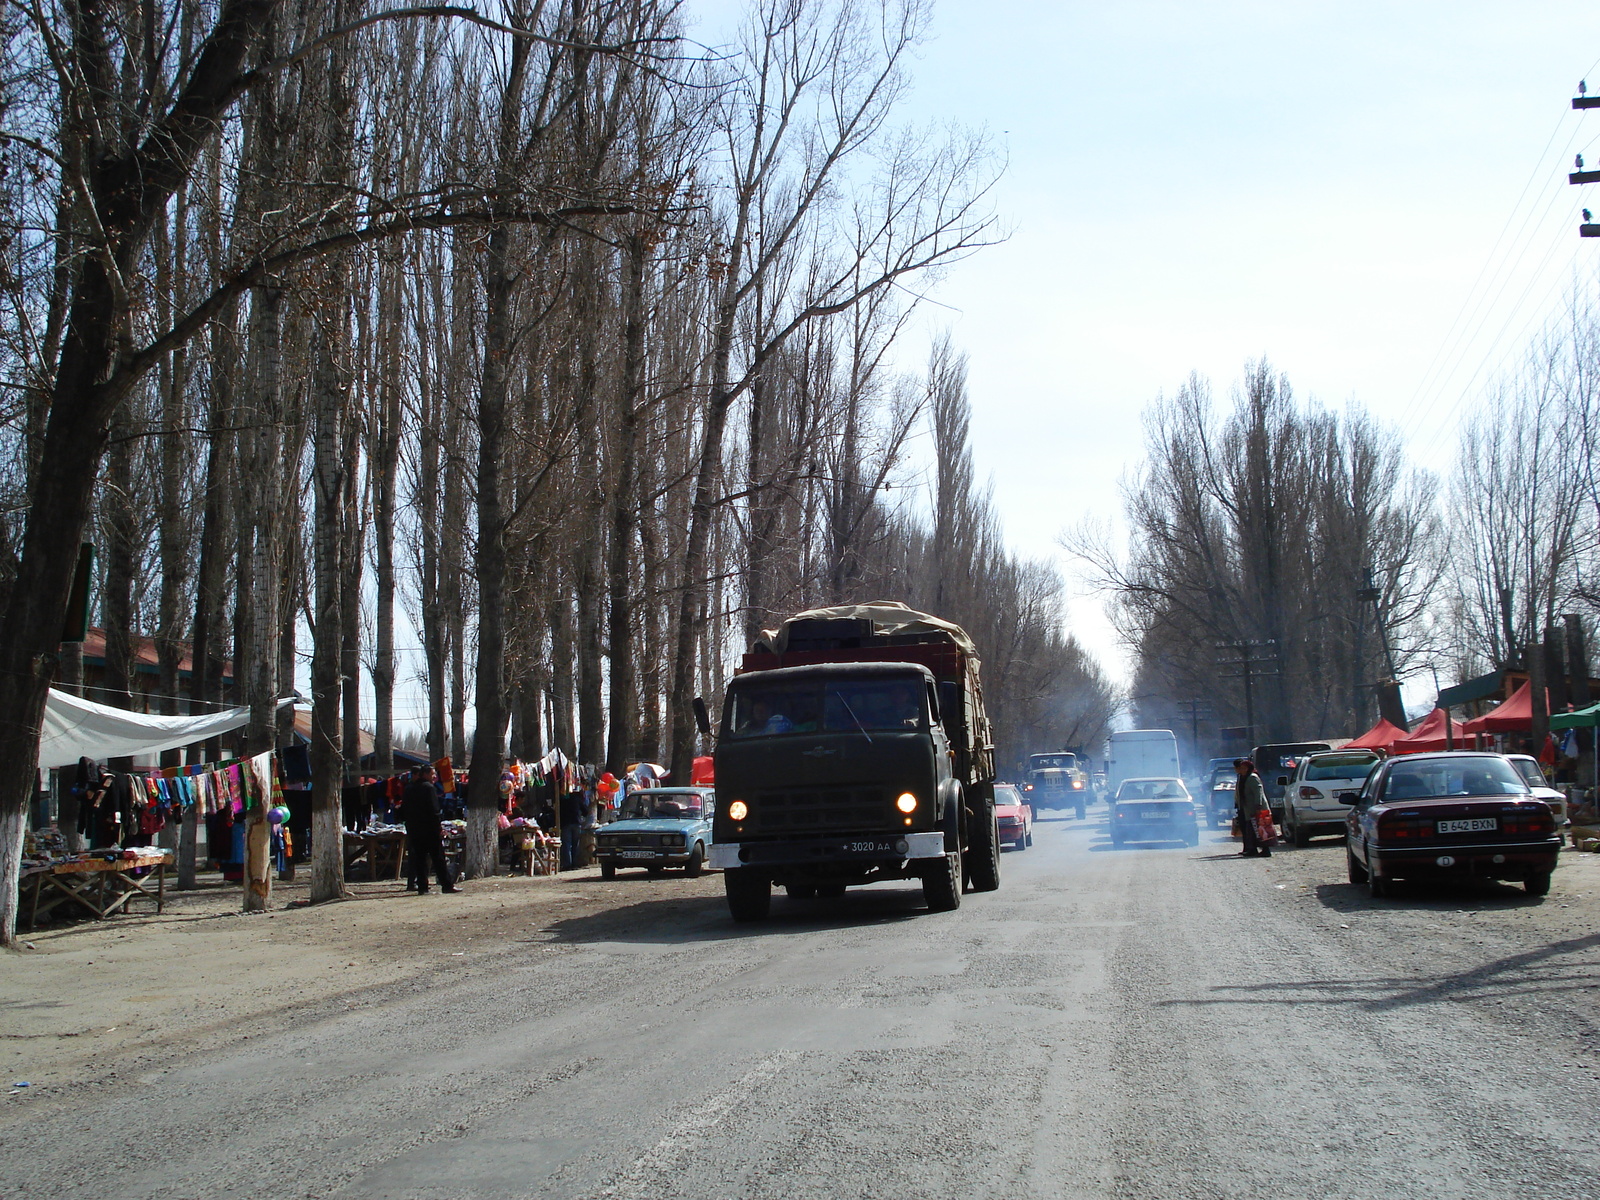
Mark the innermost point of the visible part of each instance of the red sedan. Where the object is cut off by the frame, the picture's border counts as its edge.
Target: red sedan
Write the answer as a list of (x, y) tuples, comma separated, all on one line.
[(1014, 815), (1455, 815)]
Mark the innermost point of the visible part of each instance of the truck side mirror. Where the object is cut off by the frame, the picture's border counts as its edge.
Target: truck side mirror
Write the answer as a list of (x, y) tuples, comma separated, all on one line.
[(702, 719)]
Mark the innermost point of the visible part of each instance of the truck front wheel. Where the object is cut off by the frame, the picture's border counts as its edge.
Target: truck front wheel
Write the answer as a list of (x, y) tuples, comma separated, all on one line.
[(749, 894), (941, 883), (983, 855)]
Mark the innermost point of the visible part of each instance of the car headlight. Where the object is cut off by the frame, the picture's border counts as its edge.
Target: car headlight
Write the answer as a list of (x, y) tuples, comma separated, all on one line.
[(738, 810), (907, 803)]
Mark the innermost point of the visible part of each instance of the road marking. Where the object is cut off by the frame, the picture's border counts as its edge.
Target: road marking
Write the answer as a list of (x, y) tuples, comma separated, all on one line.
[(667, 1158)]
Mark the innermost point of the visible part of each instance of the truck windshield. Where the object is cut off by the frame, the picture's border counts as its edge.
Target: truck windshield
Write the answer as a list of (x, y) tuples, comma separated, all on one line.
[(1045, 762), (834, 705)]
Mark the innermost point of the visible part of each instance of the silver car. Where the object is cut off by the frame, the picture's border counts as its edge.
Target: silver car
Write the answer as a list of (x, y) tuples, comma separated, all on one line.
[(1311, 795)]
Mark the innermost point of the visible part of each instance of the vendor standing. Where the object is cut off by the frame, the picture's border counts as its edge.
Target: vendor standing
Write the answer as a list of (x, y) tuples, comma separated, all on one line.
[(419, 809), (1250, 801), (574, 816)]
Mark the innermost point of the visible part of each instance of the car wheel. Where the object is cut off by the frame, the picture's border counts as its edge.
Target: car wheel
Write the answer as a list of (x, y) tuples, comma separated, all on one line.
[(1193, 839), (941, 884), (1356, 871), (1028, 840), (608, 870), (1080, 811), (1377, 885), (749, 894), (697, 861), (1537, 885)]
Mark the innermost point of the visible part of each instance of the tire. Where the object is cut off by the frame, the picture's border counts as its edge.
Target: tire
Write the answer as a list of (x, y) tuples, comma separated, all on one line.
[(1116, 839), (1027, 841), (1080, 810), (1354, 869), (749, 894), (1297, 833), (608, 870), (941, 884), (1377, 886), (983, 855), (1537, 885), (1192, 840), (696, 863), (800, 891)]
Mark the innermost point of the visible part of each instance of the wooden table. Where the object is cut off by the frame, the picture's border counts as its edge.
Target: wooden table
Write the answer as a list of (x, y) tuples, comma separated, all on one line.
[(384, 852), (97, 886)]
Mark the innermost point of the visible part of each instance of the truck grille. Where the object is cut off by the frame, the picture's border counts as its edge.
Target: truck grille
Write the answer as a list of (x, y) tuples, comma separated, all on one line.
[(816, 810)]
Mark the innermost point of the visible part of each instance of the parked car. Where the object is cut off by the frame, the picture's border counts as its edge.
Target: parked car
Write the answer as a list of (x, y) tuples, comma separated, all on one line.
[(1154, 810), (658, 828), (1528, 767), (1014, 815), (1451, 815), (1275, 762), (1220, 804), (1309, 803)]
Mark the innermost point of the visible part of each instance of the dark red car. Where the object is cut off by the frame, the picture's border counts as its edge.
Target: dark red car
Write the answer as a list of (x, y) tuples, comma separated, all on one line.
[(1454, 815), (1014, 816)]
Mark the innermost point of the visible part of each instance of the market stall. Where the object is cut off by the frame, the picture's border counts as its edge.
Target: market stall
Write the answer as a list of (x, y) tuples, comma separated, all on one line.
[(96, 884)]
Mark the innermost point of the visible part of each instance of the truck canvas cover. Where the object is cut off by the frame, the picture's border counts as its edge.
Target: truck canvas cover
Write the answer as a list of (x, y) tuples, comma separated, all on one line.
[(881, 618)]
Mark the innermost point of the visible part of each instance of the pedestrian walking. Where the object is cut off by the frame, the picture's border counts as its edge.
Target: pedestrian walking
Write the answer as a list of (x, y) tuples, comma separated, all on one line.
[(1250, 801), (574, 816), (419, 809)]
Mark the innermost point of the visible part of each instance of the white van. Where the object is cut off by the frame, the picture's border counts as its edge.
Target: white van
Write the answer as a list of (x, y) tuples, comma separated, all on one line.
[(1141, 754)]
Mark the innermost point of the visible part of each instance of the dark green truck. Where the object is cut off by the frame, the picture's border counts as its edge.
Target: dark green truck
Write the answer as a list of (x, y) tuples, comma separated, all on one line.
[(854, 748)]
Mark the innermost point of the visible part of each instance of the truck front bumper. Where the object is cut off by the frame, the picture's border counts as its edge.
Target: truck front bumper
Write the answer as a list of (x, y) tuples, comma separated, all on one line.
[(864, 849)]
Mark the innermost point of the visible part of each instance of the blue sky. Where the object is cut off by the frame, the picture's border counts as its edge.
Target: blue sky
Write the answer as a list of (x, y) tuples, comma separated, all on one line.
[(1194, 185)]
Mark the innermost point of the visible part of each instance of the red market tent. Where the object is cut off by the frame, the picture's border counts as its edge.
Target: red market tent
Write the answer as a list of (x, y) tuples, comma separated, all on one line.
[(1513, 716), (703, 773), (1430, 735), (1379, 737)]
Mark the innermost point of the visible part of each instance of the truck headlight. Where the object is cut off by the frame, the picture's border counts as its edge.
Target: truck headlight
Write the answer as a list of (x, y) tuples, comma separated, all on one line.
[(738, 810), (907, 803)]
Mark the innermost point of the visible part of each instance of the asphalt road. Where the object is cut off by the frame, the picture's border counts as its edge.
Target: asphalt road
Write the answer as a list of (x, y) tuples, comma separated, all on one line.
[(1141, 1022)]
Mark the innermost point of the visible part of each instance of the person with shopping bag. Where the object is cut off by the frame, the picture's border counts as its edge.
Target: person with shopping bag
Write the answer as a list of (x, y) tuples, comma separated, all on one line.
[(1255, 817)]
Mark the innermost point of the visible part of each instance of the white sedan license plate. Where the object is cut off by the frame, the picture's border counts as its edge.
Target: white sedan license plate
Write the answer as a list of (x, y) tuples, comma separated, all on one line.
[(1477, 825), (638, 854)]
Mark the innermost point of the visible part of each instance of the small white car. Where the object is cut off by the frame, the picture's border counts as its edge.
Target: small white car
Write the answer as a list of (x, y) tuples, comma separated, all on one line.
[(1528, 767), (1311, 795)]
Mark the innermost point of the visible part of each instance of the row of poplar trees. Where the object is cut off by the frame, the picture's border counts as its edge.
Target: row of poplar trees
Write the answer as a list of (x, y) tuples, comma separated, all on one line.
[(542, 331)]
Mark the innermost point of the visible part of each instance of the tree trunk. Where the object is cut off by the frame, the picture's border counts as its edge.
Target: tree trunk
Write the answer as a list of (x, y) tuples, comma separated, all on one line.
[(623, 567)]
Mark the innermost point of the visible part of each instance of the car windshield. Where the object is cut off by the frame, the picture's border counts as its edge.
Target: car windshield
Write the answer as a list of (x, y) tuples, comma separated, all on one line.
[(1224, 777), (1043, 762), (1429, 779), (1004, 793), (1531, 772), (839, 705), (1341, 766), (654, 804), (1152, 789)]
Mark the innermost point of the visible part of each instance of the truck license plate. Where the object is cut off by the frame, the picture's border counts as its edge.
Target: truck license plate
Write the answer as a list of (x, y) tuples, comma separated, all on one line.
[(868, 846), (1478, 825)]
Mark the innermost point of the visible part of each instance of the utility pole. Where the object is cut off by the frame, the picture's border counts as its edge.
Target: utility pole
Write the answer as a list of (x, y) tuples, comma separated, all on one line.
[(1253, 659), (1390, 706), (1589, 228), (1195, 707)]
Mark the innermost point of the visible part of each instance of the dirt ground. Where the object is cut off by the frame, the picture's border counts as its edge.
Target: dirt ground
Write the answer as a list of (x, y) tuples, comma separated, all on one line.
[(79, 996)]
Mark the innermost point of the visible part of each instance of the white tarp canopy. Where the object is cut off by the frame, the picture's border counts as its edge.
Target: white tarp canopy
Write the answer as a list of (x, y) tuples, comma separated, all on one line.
[(75, 729)]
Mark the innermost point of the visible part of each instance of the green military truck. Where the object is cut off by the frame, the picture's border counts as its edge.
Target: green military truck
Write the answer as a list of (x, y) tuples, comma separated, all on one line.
[(854, 748)]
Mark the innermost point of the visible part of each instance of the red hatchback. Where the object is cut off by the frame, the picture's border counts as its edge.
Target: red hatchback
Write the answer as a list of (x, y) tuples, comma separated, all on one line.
[(1014, 815), (1454, 815)]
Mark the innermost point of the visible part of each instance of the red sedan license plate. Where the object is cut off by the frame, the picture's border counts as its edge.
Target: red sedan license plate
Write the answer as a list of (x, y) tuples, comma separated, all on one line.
[(1478, 825)]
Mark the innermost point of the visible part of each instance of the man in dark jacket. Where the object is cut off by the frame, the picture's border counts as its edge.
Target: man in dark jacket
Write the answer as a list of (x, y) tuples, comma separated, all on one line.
[(419, 809), (574, 816), (1250, 799)]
